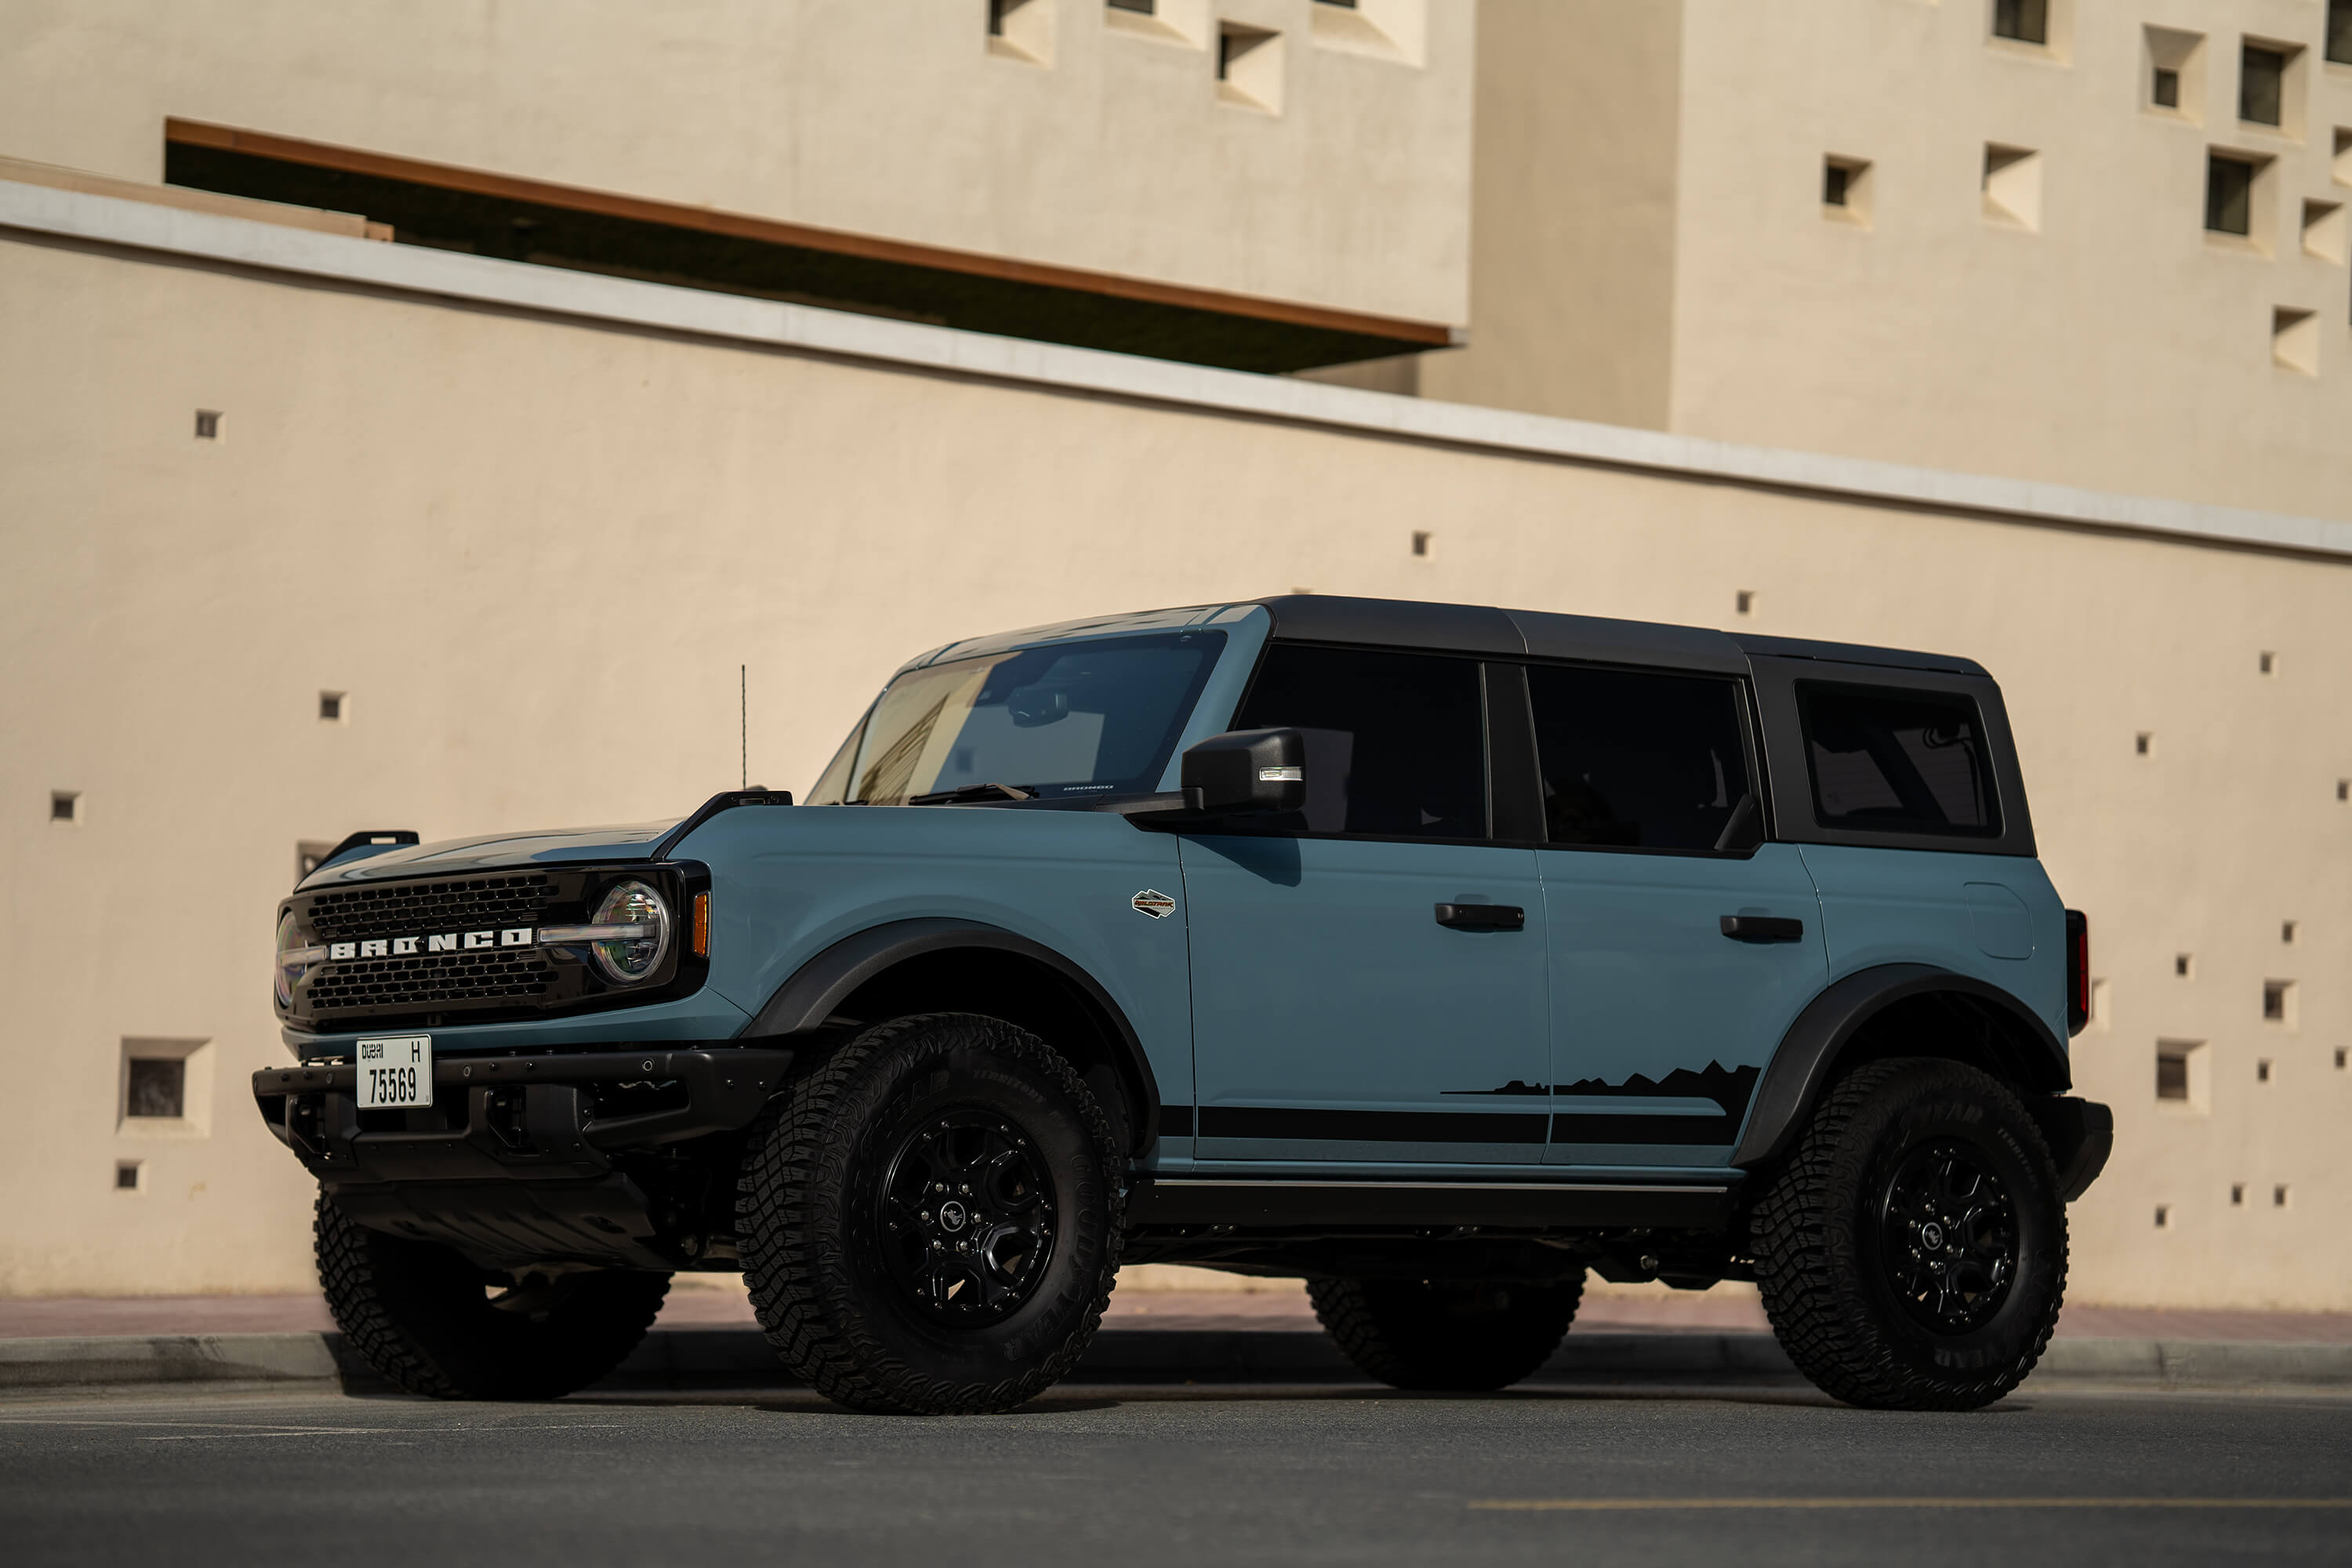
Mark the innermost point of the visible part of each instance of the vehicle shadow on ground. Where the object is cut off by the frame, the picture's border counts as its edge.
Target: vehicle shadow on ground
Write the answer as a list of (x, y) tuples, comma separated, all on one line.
[(1081, 1398)]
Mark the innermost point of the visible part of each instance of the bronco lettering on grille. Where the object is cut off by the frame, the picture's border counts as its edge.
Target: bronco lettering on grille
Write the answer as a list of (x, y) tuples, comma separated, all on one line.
[(446, 941)]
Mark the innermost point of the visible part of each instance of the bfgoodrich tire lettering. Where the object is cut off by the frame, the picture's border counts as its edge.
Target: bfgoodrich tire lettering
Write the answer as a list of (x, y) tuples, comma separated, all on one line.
[(432, 1323), (1468, 1337), (1911, 1248), (930, 1222)]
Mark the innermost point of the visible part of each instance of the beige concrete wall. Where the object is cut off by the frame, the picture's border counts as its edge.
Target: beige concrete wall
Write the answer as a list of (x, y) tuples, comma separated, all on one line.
[(1572, 275), (534, 551), (881, 116), (2116, 345)]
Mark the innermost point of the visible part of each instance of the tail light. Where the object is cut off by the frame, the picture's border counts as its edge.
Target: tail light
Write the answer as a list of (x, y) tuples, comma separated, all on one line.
[(2078, 970)]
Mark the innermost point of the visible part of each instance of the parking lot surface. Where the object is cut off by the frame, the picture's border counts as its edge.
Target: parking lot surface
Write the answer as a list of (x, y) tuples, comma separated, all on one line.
[(1353, 1475)]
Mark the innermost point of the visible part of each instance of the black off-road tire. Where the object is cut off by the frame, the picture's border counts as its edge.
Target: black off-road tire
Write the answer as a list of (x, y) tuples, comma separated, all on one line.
[(421, 1315), (1850, 1229), (842, 1273), (1465, 1337)]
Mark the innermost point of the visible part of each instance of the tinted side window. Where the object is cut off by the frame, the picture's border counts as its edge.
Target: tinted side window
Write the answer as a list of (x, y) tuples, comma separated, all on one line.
[(1641, 761), (1896, 761), (1395, 741)]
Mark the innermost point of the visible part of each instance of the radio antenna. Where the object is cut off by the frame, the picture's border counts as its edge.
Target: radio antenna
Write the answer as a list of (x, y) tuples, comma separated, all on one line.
[(743, 716)]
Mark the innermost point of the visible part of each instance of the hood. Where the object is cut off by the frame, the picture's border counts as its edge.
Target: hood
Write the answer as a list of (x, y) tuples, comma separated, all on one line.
[(633, 841)]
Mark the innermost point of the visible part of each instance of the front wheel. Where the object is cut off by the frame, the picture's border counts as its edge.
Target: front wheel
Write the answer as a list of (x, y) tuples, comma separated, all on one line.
[(432, 1323), (929, 1221), (1911, 1249), (1435, 1334)]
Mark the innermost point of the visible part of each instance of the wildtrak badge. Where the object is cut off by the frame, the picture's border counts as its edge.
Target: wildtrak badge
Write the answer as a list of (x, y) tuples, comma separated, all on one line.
[(446, 941)]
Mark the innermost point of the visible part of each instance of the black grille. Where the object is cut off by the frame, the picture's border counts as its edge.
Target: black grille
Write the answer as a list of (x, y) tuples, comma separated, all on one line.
[(384, 984), (420, 909)]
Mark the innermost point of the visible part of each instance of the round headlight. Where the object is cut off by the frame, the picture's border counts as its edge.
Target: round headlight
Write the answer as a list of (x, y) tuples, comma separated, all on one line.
[(642, 940), (285, 974)]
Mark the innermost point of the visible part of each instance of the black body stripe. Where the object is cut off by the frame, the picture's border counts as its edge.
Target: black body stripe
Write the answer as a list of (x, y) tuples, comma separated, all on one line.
[(1176, 1121), (1369, 1126), (1637, 1128)]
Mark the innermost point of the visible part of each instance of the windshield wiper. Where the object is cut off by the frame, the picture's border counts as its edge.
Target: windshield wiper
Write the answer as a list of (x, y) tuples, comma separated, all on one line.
[(972, 792)]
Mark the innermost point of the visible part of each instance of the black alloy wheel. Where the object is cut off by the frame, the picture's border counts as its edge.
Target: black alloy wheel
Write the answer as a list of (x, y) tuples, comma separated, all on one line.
[(929, 1221), (1911, 1248), (1948, 1237), (967, 1217)]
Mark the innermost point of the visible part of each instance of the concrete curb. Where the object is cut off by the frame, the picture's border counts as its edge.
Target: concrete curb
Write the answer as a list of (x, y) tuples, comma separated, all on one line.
[(715, 1358)]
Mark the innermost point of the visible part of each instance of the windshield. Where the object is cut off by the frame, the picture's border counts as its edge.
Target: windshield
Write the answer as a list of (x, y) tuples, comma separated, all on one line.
[(1087, 718)]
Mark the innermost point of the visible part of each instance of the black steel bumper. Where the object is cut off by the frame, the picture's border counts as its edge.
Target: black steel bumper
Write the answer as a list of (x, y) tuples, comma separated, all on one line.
[(521, 1159), (2081, 1135)]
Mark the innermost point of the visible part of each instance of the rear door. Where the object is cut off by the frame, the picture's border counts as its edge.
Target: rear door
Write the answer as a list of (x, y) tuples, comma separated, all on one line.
[(1368, 979), (1677, 960)]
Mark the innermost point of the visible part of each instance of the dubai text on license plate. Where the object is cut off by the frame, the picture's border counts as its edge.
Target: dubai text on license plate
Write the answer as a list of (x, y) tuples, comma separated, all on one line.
[(395, 1072)]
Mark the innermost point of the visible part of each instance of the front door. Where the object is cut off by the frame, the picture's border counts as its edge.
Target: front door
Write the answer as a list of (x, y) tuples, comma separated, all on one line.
[(1367, 981), (1679, 953)]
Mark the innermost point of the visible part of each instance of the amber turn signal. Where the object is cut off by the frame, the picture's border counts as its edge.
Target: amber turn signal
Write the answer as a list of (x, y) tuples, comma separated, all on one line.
[(702, 925)]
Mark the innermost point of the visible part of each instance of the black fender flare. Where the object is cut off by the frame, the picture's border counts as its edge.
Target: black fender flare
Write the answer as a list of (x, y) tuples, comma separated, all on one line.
[(1809, 1052), (817, 989)]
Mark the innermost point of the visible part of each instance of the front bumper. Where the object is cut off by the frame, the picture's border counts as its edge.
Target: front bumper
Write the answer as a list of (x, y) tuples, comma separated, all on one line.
[(528, 1159)]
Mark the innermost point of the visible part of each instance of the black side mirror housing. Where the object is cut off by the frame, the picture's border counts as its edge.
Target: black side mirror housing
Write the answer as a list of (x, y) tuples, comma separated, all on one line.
[(1246, 772)]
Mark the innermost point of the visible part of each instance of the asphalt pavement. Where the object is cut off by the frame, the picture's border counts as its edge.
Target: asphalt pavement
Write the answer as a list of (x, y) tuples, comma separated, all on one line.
[(1176, 1474)]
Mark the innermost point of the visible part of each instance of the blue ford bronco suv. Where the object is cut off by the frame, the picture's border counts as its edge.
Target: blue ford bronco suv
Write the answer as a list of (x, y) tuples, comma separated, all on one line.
[(1435, 954)]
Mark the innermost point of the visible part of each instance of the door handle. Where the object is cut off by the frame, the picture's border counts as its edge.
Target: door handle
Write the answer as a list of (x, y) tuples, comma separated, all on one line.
[(1762, 928), (1482, 917)]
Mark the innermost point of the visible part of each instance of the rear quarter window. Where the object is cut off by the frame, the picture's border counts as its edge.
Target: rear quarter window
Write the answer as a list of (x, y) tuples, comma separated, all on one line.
[(1884, 760)]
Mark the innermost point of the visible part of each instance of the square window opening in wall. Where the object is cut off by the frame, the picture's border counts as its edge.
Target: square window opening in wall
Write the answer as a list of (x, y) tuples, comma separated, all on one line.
[(1421, 542), (1744, 601), (2279, 1195), (2269, 85), (129, 1176), (2279, 1002), (2184, 965), (2013, 186), (166, 1088), (2295, 340), (2172, 73), (2263, 1070), (65, 805), (1249, 67), (2238, 199), (2339, 32), (2286, 933), (2343, 1058), (334, 708), (1185, 22), (2183, 1075), (1021, 30), (2266, 662), (2237, 1195), (2143, 743), (1846, 190), (1394, 30), (2343, 789), (2324, 231), (2163, 1217), (2021, 21), (209, 424), (2342, 167)]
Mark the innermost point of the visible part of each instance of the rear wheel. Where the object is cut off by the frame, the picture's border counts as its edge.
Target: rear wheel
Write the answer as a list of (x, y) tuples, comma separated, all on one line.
[(1911, 1249), (432, 1323), (1412, 1333), (930, 1222)]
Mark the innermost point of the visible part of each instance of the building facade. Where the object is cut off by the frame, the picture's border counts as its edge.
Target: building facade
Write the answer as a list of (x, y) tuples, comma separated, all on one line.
[(2093, 244), (310, 532)]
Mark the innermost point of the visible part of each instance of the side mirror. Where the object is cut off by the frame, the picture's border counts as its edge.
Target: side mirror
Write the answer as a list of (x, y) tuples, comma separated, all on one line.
[(1246, 771)]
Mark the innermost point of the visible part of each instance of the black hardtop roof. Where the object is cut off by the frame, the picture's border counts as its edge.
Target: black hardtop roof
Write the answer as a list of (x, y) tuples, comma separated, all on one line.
[(1477, 628)]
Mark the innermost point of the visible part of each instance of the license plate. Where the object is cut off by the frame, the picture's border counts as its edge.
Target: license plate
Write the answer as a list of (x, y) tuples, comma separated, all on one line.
[(395, 1072)]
